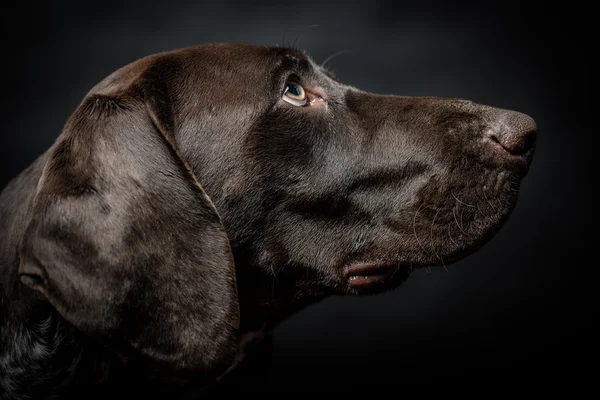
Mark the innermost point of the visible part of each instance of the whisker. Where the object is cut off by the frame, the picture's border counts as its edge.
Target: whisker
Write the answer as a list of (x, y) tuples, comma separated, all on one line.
[(460, 217), (456, 219), (303, 32), (450, 235), (415, 228), (334, 55), (477, 222), (398, 269), (283, 38), (488, 201), (431, 237), (489, 216), (481, 212), (462, 202), (431, 226)]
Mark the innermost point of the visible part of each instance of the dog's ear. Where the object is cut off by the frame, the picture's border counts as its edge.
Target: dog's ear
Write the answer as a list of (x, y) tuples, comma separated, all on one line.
[(125, 243)]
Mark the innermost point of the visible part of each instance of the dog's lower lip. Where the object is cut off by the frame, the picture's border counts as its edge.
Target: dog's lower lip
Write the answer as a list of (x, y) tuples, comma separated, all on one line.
[(369, 274)]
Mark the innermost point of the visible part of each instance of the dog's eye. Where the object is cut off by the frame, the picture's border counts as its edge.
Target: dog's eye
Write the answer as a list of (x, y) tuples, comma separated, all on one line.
[(294, 94)]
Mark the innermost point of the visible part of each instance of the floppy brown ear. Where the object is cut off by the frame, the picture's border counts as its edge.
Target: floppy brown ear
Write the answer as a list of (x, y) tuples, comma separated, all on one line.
[(125, 243)]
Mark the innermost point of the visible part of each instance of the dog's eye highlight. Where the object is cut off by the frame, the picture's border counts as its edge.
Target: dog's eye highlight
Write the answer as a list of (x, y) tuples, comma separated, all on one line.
[(294, 94)]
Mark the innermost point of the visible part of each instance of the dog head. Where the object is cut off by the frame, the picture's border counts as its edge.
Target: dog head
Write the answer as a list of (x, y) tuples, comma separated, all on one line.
[(182, 164), (347, 187)]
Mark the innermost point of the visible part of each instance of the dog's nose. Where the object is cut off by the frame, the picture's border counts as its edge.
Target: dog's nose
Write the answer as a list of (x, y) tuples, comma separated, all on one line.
[(514, 132)]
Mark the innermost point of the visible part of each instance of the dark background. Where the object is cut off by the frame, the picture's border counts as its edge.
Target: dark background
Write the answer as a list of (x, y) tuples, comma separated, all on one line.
[(512, 311)]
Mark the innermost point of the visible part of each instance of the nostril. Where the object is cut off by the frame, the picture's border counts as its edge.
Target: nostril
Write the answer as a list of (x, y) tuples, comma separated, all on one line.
[(530, 141), (515, 132), (515, 145), (519, 143), (502, 143), (524, 144), (495, 138)]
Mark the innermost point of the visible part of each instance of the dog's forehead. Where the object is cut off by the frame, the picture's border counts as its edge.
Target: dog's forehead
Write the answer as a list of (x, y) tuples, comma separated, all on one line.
[(249, 57), (260, 53), (237, 73)]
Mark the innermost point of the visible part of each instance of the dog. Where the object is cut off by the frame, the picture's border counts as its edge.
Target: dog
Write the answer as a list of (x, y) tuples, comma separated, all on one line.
[(198, 197)]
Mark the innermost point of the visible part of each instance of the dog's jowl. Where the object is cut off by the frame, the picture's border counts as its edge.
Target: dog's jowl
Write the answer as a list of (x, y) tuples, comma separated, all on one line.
[(138, 254)]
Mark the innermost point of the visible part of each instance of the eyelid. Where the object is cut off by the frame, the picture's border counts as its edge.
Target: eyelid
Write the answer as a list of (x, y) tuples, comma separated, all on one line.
[(297, 103), (291, 77)]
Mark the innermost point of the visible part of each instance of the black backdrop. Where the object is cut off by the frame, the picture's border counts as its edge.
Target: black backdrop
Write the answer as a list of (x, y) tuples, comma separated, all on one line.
[(502, 313)]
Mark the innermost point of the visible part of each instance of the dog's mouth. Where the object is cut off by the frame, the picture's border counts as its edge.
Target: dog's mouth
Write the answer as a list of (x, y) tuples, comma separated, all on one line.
[(371, 275)]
